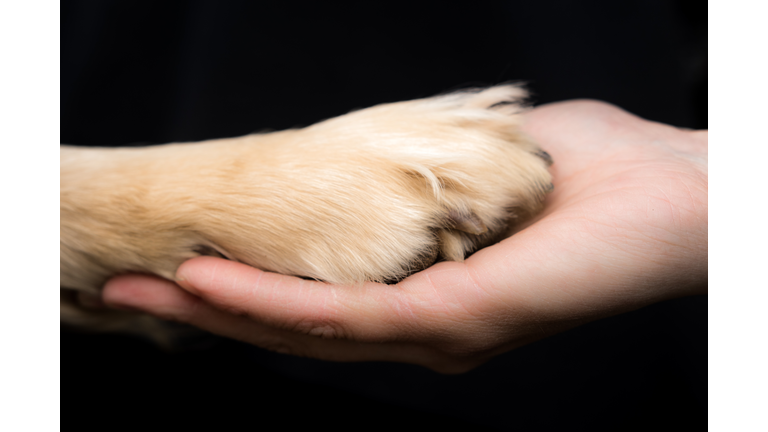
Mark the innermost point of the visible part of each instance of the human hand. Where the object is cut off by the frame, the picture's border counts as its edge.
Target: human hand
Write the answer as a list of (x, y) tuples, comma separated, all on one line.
[(625, 227)]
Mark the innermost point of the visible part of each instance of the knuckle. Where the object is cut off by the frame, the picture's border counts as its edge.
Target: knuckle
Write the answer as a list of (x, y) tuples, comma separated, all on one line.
[(321, 327)]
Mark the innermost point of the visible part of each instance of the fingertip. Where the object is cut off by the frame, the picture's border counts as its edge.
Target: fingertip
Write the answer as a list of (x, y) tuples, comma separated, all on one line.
[(209, 275), (198, 273)]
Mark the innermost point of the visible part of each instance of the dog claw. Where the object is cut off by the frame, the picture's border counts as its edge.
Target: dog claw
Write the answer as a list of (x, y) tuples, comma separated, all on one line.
[(205, 250), (470, 224), (544, 155)]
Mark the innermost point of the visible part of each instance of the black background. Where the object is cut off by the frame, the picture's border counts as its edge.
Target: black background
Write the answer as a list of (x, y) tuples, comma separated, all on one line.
[(144, 72)]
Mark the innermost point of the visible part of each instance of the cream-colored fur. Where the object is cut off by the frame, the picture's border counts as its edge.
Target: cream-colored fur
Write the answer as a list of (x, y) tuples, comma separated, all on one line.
[(373, 195)]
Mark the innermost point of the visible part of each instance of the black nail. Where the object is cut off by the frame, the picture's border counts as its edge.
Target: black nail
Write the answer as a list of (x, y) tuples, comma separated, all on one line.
[(544, 155)]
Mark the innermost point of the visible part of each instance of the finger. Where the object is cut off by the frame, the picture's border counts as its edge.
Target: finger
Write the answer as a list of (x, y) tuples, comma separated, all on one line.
[(150, 294), (366, 313), (448, 317), (440, 308), (167, 300)]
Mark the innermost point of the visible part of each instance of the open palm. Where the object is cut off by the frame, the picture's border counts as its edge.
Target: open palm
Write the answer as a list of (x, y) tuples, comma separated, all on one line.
[(626, 226)]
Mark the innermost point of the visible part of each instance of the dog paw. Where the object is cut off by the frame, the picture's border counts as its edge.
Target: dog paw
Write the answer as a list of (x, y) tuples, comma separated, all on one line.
[(380, 193), (374, 195)]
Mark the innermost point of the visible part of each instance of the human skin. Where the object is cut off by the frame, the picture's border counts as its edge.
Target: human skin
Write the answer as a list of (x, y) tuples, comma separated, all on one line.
[(625, 227)]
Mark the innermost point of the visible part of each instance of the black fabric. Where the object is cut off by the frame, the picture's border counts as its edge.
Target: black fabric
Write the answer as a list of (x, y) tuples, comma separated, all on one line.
[(138, 72)]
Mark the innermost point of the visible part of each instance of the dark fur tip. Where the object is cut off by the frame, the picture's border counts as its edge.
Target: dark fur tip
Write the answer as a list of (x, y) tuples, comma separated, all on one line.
[(500, 104), (205, 250)]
